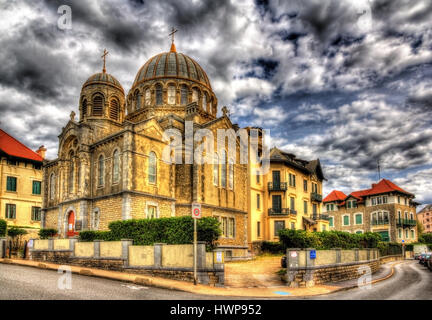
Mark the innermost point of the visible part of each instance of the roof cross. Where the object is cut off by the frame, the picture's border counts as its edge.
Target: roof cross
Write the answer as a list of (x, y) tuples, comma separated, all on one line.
[(104, 59), (173, 30)]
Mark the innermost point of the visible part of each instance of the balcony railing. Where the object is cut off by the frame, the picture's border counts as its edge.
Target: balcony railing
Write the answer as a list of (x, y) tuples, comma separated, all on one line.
[(320, 217), (278, 212), (316, 197), (380, 222), (293, 212), (281, 186), (406, 223)]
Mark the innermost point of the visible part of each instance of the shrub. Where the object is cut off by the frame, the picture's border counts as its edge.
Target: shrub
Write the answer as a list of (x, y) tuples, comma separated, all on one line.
[(272, 247), (96, 235), (176, 230), (14, 232), (425, 238), (47, 233), (299, 239), (389, 248), (3, 227), (327, 239)]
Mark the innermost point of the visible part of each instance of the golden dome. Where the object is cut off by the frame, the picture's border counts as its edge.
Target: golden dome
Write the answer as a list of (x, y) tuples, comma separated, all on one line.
[(172, 64)]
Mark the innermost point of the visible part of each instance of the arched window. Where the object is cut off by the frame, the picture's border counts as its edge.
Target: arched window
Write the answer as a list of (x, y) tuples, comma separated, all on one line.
[(215, 169), (137, 100), (147, 97), (223, 169), (71, 172), (171, 94), (152, 168), (95, 219), (231, 173), (210, 107), (97, 106), (101, 167), (52, 186), (159, 100), (195, 95), (84, 108), (184, 95), (116, 166), (114, 109), (204, 102)]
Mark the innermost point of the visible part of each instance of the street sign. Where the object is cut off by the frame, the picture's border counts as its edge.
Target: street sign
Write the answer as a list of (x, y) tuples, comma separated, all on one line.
[(312, 254), (293, 254), (403, 241), (78, 225), (196, 210)]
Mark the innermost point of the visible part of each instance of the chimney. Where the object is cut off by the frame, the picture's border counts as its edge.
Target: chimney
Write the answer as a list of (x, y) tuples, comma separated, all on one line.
[(374, 185), (41, 151)]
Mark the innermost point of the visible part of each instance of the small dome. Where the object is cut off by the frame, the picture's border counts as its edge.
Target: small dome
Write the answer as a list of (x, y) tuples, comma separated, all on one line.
[(172, 65), (104, 79)]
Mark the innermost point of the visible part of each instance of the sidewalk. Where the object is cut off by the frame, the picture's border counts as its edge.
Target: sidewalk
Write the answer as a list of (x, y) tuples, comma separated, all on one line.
[(385, 272)]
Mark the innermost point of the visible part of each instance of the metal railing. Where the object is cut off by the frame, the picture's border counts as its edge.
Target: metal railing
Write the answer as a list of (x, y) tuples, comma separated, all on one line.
[(320, 217), (316, 197), (380, 222), (278, 212), (281, 186), (293, 212), (406, 223)]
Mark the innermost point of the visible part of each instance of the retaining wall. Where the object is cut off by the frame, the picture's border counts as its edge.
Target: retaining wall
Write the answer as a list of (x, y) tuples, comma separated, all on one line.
[(169, 261)]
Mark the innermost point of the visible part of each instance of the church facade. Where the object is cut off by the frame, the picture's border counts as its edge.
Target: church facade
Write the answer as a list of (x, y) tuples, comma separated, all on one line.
[(110, 162)]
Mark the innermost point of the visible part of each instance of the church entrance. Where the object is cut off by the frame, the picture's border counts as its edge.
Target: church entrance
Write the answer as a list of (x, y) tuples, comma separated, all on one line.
[(70, 232)]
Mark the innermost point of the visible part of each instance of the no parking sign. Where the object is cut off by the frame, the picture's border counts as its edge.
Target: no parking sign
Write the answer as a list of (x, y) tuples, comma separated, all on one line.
[(196, 210)]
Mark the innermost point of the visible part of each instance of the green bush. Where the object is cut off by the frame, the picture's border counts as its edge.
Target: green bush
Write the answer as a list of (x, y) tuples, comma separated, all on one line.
[(16, 232), (389, 248), (3, 227), (327, 239), (176, 230), (96, 235), (47, 233), (425, 238), (272, 247)]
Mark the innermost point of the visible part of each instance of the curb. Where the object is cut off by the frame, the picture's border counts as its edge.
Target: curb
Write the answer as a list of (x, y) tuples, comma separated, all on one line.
[(372, 282)]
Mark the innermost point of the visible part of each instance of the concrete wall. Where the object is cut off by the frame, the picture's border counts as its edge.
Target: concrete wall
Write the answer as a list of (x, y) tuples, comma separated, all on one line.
[(171, 261), (303, 270)]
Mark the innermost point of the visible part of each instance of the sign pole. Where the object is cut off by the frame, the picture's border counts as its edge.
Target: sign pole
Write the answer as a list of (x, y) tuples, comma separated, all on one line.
[(196, 214), (195, 251)]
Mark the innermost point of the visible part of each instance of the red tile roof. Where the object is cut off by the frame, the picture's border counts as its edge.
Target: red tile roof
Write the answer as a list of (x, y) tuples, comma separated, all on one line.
[(14, 148), (384, 186), (335, 195)]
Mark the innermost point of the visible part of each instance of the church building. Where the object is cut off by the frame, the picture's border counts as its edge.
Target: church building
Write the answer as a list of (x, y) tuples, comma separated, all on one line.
[(110, 166)]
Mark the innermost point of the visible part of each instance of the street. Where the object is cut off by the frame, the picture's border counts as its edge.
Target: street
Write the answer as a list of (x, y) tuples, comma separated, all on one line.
[(410, 281)]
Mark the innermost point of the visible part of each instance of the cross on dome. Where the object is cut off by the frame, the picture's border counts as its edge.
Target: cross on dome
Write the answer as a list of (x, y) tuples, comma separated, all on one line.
[(173, 48), (104, 60)]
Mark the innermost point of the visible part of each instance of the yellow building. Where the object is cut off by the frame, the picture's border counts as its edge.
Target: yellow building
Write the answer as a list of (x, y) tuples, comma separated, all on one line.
[(289, 196), (21, 184)]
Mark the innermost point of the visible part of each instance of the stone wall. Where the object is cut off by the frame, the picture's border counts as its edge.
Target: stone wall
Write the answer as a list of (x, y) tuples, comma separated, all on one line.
[(337, 265), (168, 261)]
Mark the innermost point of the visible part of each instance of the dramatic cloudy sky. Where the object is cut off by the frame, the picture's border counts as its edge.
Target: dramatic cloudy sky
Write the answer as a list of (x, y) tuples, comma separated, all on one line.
[(346, 81)]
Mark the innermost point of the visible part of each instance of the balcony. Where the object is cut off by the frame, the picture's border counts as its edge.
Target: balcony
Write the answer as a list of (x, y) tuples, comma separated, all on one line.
[(316, 197), (281, 186), (406, 223), (293, 212), (380, 222), (278, 212), (320, 217)]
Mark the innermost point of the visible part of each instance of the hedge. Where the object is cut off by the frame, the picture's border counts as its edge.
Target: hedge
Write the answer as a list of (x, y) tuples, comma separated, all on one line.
[(425, 238), (272, 247), (3, 227), (389, 248), (175, 230), (327, 239), (16, 232), (47, 233)]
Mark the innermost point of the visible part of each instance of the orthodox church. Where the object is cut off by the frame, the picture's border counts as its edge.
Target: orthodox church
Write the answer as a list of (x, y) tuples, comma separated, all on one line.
[(110, 167)]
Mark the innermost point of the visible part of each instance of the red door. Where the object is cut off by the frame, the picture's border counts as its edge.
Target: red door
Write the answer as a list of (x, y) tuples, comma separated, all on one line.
[(71, 224)]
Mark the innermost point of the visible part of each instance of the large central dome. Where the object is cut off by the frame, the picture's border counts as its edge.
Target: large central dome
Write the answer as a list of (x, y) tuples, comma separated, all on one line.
[(172, 65)]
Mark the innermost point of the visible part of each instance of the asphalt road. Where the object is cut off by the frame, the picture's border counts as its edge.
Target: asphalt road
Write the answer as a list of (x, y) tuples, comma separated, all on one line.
[(410, 281)]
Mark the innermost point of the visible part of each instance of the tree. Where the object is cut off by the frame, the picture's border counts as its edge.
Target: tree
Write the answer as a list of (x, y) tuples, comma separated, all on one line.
[(16, 234), (420, 228)]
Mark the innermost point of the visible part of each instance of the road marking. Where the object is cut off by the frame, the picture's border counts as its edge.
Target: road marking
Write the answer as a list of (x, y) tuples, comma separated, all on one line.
[(134, 287)]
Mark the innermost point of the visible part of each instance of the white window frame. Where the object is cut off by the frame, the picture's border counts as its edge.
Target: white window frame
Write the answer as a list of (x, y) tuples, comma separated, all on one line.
[(333, 218), (361, 230), (355, 222)]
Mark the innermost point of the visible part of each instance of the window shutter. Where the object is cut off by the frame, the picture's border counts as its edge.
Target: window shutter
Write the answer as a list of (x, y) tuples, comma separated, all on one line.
[(97, 106)]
